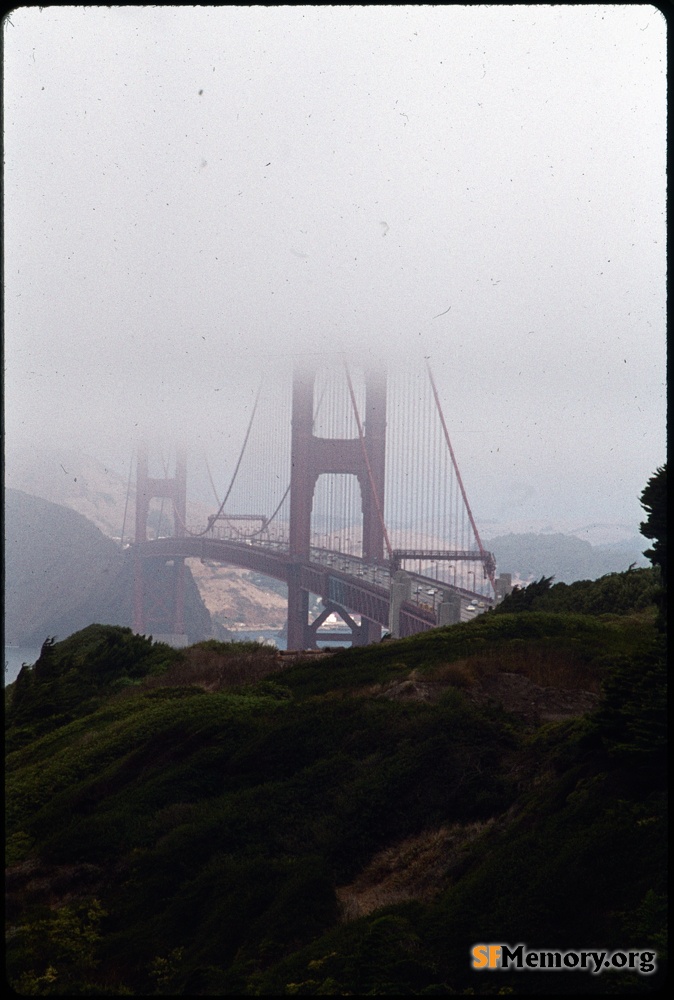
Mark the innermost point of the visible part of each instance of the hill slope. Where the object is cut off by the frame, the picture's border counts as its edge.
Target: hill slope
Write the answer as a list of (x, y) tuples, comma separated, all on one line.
[(62, 572), (55, 561), (345, 828), (73, 480), (107, 500), (562, 556)]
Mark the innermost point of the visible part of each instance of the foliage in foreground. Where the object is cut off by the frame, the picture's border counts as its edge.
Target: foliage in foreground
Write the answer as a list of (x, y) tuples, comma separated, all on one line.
[(616, 593), (172, 830)]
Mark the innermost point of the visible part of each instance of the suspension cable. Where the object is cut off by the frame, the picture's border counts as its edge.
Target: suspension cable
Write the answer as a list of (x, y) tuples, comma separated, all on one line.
[(126, 505), (214, 517), (210, 476), (265, 526), (483, 554), (270, 519)]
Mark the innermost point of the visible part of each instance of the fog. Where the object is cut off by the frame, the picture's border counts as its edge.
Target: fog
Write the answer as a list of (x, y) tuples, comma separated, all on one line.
[(197, 197)]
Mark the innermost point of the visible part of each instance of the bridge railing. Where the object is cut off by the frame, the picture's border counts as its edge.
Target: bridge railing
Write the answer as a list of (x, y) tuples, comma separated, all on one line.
[(227, 533), (425, 591)]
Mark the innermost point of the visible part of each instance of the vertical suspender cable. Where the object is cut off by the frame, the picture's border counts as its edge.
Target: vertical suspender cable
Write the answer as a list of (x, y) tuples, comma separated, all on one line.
[(420, 484), (458, 476), (411, 461), (432, 486), (126, 504), (423, 444), (416, 544)]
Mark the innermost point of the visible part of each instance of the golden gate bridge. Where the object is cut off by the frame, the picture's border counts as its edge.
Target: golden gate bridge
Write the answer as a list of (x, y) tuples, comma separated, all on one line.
[(346, 487)]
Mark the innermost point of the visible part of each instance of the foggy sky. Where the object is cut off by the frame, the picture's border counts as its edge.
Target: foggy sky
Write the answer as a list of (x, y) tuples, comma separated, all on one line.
[(194, 196)]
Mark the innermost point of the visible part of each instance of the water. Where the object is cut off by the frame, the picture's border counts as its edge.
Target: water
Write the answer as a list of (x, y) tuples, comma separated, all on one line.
[(15, 656), (270, 637), (275, 637)]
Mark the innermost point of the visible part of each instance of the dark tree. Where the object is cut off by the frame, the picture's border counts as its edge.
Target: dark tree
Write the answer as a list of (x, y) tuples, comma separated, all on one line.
[(654, 502), (525, 598)]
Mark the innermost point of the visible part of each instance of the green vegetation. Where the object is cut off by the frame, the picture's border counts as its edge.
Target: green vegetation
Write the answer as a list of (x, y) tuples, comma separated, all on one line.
[(654, 502), (617, 593), (204, 822), (73, 678)]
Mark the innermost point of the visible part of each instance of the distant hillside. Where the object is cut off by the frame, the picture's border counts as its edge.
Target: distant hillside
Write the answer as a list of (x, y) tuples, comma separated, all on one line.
[(62, 573), (107, 499), (565, 557), (74, 480)]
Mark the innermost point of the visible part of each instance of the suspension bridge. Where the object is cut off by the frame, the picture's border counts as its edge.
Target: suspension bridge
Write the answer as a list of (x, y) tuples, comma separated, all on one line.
[(347, 488)]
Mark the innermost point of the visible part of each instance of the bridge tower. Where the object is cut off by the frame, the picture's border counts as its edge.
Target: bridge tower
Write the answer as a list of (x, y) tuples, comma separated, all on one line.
[(151, 581), (313, 456)]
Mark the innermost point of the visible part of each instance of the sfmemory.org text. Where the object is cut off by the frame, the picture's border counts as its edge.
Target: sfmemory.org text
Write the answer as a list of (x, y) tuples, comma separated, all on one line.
[(502, 956)]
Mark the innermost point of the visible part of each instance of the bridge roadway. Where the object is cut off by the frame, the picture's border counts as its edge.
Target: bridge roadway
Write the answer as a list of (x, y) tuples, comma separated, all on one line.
[(342, 580)]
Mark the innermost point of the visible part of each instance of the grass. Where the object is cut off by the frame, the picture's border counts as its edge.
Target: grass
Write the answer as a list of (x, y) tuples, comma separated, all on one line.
[(545, 664), (550, 648), (418, 867), (215, 670)]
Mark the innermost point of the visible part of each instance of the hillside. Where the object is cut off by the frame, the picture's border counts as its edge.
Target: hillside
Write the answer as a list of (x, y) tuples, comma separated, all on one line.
[(238, 597), (62, 572), (71, 479), (213, 822), (107, 500), (565, 557), (55, 562)]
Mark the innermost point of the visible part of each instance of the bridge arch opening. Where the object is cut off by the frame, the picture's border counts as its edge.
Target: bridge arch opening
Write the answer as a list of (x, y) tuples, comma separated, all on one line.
[(337, 514)]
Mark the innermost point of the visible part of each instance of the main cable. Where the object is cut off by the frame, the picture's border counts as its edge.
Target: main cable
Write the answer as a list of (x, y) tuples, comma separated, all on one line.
[(213, 518), (466, 507)]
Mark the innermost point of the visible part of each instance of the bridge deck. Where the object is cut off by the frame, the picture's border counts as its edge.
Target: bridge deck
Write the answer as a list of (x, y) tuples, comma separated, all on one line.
[(344, 580)]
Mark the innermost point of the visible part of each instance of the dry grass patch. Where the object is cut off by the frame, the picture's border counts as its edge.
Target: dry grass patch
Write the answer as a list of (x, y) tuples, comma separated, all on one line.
[(458, 674), (214, 671), (419, 867), (547, 667)]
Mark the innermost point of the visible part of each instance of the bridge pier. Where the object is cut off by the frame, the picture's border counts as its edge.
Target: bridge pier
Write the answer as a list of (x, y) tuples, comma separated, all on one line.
[(401, 589), (449, 611), (503, 586), (371, 631), (298, 610), (151, 613), (159, 595)]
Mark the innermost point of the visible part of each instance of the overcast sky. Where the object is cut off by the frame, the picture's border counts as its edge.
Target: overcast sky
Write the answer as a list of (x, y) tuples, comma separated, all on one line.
[(194, 194)]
